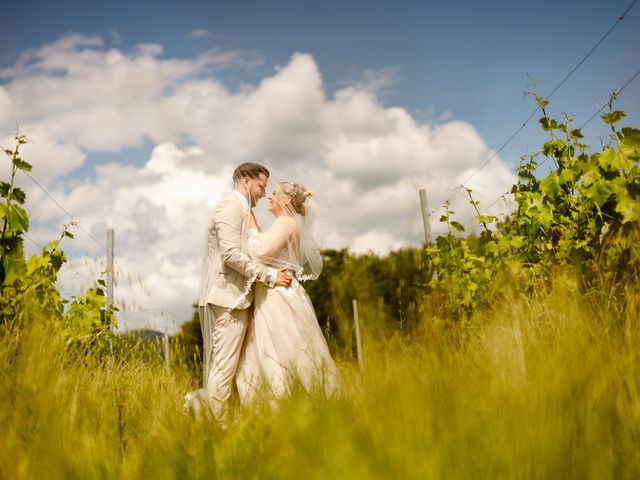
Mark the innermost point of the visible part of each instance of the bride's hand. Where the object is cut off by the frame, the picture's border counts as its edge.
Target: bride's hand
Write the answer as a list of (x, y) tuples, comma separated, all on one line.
[(283, 279)]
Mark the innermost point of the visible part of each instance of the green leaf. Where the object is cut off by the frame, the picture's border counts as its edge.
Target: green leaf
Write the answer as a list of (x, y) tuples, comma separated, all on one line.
[(611, 159), (599, 192), (458, 226), (22, 165), (551, 186), (545, 216), (516, 241), (486, 218), (14, 267), (590, 177), (546, 123), (567, 176), (631, 152), (53, 245), (37, 262), (628, 208), (553, 148), (57, 259), (102, 282), (490, 247), (68, 234), (631, 136), (17, 219), (576, 133), (613, 117), (18, 195)]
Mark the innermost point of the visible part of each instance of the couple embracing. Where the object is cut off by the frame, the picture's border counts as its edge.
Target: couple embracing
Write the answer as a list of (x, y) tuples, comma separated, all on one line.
[(259, 328)]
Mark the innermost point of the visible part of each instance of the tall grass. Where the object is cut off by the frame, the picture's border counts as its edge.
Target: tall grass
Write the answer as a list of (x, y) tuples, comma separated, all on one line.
[(544, 388)]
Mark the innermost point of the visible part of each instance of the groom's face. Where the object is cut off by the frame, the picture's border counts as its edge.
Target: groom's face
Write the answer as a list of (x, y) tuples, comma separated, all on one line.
[(257, 188)]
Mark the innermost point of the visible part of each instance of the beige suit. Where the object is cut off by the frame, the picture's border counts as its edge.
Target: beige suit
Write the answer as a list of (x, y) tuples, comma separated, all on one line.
[(225, 295)]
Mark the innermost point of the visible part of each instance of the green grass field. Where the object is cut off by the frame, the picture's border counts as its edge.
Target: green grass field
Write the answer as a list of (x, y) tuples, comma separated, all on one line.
[(545, 388)]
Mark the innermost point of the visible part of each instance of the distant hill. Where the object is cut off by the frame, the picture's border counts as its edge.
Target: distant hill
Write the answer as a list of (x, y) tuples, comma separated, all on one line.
[(142, 334), (143, 343)]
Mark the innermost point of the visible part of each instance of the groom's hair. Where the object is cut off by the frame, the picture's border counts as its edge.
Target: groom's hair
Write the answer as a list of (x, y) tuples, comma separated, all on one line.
[(249, 169)]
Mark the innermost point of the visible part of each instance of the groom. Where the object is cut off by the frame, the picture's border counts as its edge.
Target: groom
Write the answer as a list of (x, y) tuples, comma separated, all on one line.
[(227, 292)]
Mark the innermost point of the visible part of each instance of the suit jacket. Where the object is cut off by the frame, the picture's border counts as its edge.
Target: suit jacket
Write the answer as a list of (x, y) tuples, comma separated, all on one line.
[(229, 271)]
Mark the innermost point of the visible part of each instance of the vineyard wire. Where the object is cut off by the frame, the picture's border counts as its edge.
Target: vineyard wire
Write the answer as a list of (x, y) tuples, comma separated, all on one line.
[(616, 93), (620, 18)]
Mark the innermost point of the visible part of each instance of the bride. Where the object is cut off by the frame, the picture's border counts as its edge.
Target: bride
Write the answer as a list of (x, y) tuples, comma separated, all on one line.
[(284, 345)]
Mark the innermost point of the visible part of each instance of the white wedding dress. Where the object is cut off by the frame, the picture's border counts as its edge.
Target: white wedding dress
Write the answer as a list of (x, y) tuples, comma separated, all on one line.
[(284, 345)]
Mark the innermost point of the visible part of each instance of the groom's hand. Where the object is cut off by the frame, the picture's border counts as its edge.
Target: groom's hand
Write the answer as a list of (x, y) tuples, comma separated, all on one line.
[(283, 279)]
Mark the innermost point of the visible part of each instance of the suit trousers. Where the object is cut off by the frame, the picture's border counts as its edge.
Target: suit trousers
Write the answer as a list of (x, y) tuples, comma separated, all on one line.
[(226, 330)]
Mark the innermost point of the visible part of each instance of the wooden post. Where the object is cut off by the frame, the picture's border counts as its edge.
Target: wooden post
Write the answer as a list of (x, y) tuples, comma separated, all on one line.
[(110, 283), (109, 267), (356, 321), (426, 220), (167, 358)]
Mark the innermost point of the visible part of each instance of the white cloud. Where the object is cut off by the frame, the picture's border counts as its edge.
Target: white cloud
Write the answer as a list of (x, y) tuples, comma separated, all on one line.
[(365, 162), (102, 99), (6, 110), (199, 33), (379, 242), (150, 49), (380, 81)]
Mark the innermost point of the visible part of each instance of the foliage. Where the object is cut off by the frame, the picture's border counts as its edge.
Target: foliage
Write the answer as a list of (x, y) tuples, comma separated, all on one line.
[(88, 322), (585, 214), (545, 384), (546, 390), (15, 220), (586, 210), (28, 286), (187, 345), (393, 287), (460, 271)]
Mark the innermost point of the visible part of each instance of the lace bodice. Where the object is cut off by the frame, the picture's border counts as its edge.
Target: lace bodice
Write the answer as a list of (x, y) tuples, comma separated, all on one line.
[(276, 247)]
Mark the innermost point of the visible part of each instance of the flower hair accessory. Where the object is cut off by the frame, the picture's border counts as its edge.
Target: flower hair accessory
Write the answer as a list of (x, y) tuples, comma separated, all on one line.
[(308, 194)]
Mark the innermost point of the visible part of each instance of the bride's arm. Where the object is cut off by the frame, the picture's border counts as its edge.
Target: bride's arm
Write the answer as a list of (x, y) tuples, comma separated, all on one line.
[(276, 238)]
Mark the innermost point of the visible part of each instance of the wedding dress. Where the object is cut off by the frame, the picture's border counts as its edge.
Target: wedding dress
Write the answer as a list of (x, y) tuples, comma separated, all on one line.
[(284, 345)]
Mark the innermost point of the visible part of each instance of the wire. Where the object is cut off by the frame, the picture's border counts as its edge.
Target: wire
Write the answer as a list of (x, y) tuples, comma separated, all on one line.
[(501, 197), (59, 205), (616, 93), (620, 18), (67, 267), (70, 215), (64, 265), (32, 240), (592, 50)]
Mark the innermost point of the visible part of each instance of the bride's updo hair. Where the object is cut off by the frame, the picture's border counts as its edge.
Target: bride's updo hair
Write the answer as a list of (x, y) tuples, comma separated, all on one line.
[(297, 194)]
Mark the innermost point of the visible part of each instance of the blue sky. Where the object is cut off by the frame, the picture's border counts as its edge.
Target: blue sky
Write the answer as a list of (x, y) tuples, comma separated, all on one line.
[(470, 59), (151, 104)]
